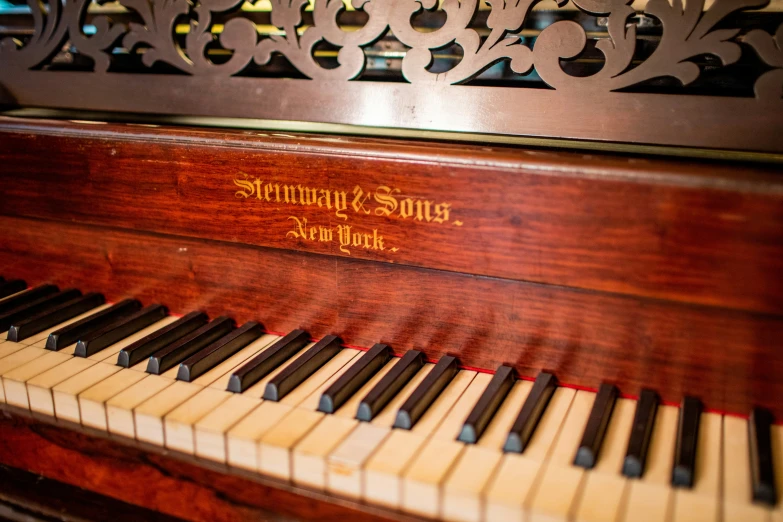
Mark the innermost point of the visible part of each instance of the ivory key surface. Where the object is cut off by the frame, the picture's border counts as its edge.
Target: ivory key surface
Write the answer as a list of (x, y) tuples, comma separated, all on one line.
[(421, 482), (383, 470), (505, 496), (463, 488), (602, 494)]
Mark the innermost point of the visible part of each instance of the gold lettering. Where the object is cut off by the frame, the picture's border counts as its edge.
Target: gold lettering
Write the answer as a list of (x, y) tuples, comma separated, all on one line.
[(385, 201), (325, 234), (441, 212), (247, 187), (344, 235), (325, 199), (358, 200), (300, 228), (308, 196), (377, 240), (406, 208), (340, 204), (384, 196), (289, 191)]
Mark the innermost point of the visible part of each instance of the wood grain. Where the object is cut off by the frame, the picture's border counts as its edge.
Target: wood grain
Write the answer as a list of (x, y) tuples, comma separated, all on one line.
[(694, 233), (160, 480), (730, 359)]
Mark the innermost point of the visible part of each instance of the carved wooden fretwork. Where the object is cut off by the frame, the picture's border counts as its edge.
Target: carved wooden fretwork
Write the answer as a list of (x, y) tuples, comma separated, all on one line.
[(688, 31)]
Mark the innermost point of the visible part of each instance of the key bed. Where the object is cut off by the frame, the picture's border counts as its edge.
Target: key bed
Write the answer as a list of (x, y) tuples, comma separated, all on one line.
[(586, 456)]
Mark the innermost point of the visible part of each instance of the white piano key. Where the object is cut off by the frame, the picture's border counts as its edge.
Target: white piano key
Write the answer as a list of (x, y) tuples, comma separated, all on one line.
[(422, 480), (185, 402), (383, 470), (310, 456), (505, 496), (8, 347), (737, 485), (551, 498), (463, 488), (247, 436), (64, 393), (119, 408), (92, 401), (39, 388), (274, 449), (213, 431), (15, 355), (14, 381), (649, 498), (601, 496), (702, 503)]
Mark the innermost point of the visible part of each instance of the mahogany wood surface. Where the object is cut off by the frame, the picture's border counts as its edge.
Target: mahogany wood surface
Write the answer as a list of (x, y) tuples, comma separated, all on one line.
[(728, 358), (707, 233), (29, 497), (162, 481)]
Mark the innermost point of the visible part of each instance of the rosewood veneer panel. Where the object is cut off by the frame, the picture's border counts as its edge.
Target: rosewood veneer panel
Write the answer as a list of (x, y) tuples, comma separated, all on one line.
[(704, 234), (730, 359)]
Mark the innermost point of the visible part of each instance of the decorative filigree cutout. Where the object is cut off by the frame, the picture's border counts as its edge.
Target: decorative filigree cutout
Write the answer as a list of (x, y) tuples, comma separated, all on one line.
[(688, 31)]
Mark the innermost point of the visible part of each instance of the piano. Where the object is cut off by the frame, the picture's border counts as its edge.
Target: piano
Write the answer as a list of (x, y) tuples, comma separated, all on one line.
[(391, 260)]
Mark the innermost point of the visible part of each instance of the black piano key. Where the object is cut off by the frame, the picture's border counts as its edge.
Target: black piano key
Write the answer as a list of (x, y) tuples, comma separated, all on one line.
[(54, 316), (267, 361), (595, 429), (391, 383), (143, 348), (219, 351), (119, 330), (12, 287), (68, 335), (531, 413), (356, 377), (425, 393), (687, 440), (487, 405), (302, 368), (762, 472), (168, 357), (35, 307), (27, 297), (641, 434)]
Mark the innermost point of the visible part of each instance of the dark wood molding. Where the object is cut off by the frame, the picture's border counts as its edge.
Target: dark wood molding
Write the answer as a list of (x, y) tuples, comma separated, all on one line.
[(695, 233)]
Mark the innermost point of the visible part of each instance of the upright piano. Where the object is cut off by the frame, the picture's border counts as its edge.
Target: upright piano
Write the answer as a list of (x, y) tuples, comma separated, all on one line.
[(391, 260)]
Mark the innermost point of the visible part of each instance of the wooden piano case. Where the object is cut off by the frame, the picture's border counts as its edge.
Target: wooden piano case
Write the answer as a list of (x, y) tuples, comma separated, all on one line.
[(632, 269), (640, 272)]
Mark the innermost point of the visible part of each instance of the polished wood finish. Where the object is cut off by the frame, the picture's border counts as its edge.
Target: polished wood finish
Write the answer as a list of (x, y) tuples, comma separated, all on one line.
[(28, 497), (161, 480), (703, 233), (730, 359), (644, 274)]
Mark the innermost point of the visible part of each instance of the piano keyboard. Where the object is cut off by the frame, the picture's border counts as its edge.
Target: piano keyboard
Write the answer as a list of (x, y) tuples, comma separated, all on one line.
[(428, 439)]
